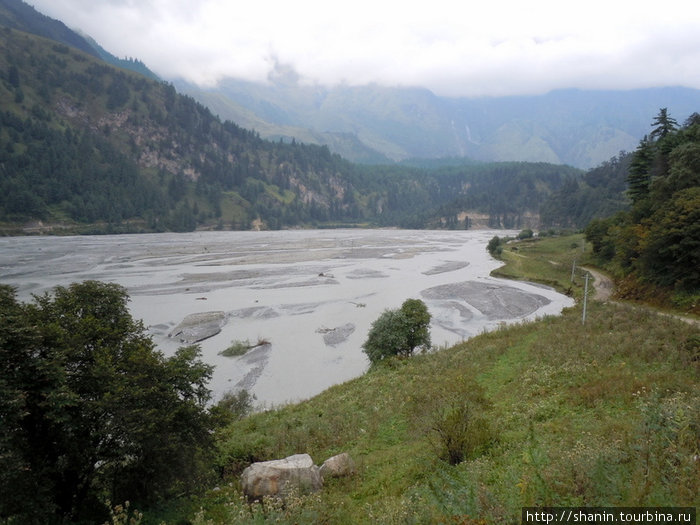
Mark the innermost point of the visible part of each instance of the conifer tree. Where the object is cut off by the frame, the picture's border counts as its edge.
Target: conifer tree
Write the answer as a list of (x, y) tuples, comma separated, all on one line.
[(664, 124), (639, 174)]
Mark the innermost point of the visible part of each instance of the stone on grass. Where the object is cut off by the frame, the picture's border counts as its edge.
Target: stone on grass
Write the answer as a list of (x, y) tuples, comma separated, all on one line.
[(295, 474), (338, 466)]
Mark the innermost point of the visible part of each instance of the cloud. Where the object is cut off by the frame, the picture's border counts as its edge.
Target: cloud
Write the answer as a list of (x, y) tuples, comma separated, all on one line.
[(492, 48)]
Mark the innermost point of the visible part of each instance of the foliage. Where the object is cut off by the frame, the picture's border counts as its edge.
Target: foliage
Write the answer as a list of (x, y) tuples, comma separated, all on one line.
[(658, 240), (577, 415), (94, 412), (454, 412), (233, 406), (598, 194), (295, 508), (671, 250), (547, 260), (122, 515), (237, 348), (505, 191), (525, 234), (495, 246), (399, 332)]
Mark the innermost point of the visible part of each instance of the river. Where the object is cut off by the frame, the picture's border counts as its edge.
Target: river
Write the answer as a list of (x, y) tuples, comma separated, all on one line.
[(312, 294)]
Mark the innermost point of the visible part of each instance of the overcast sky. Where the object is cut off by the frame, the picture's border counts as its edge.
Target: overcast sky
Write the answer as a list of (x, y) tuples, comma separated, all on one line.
[(452, 47)]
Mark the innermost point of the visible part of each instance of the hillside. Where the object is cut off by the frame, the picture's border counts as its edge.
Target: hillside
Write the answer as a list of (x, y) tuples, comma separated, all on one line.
[(97, 148), (654, 248), (574, 127), (87, 142), (17, 14)]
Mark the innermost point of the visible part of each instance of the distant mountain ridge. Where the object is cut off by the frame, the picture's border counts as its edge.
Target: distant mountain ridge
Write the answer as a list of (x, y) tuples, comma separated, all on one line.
[(375, 124), (575, 127)]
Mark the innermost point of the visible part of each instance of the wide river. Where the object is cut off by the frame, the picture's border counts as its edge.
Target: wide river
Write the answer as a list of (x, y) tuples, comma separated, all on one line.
[(312, 294)]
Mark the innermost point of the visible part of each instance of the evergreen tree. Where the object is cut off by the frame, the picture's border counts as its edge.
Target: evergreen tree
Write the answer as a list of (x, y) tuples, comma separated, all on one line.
[(664, 125), (639, 175)]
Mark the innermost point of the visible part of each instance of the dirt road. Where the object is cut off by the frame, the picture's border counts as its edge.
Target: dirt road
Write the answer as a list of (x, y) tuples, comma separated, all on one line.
[(602, 284), (604, 288)]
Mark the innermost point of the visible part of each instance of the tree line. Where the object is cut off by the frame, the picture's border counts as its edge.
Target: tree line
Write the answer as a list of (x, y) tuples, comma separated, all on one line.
[(657, 241)]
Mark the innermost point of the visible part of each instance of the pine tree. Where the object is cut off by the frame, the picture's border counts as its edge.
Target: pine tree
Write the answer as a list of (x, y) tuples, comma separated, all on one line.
[(664, 125), (639, 174)]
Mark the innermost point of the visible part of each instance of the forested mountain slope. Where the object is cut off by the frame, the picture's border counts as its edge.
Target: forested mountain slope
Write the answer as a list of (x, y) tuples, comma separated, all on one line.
[(92, 143), (85, 142), (17, 14)]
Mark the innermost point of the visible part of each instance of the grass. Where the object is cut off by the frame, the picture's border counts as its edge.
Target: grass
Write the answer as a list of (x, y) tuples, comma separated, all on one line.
[(239, 348), (547, 261), (605, 414)]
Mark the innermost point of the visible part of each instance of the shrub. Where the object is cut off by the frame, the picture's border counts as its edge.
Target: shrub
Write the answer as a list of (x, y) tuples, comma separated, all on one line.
[(526, 234), (399, 332), (239, 348), (454, 413), (233, 406), (494, 246)]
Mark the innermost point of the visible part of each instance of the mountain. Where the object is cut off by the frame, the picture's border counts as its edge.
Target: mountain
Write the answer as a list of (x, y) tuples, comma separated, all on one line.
[(16, 14), (575, 127), (85, 142), (132, 64), (102, 149)]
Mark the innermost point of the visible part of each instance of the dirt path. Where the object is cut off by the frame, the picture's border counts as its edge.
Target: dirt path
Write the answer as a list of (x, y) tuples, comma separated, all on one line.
[(602, 285), (604, 288)]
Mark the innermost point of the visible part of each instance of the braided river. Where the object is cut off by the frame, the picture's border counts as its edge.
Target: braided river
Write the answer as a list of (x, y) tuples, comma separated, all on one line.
[(312, 295)]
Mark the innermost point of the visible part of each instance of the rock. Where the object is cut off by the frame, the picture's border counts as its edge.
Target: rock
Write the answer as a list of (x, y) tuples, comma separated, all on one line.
[(338, 466), (279, 477), (337, 335), (197, 327)]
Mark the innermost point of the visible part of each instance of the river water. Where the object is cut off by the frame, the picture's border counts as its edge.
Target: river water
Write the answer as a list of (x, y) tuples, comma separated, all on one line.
[(312, 294)]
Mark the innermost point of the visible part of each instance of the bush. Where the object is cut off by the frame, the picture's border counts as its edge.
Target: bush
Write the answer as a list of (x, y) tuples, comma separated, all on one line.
[(233, 406), (239, 348), (526, 234), (494, 246), (399, 332), (454, 414)]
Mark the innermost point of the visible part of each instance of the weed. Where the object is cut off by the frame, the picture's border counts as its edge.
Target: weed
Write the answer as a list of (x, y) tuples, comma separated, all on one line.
[(239, 348)]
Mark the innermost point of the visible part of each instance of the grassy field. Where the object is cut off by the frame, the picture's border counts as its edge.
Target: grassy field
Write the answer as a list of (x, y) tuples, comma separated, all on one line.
[(551, 412)]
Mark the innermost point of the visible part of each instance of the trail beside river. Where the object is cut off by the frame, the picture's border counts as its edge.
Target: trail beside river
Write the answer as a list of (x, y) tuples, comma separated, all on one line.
[(605, 287)]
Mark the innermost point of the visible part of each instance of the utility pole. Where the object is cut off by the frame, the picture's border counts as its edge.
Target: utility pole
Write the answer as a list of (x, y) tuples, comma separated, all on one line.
[(585, 299), (573, 269)]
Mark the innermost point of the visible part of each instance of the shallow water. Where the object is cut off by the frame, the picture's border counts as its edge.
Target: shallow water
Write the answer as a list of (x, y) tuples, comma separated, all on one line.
[(312, 294)]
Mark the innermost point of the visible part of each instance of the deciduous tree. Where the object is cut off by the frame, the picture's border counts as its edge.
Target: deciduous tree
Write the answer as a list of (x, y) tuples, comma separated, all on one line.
[(399, 332), (94, 412)]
